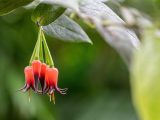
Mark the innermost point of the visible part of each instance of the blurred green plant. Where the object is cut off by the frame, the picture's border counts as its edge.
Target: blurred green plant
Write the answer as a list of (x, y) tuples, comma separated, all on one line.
[(85, 69), (145, 76), (9, 5)]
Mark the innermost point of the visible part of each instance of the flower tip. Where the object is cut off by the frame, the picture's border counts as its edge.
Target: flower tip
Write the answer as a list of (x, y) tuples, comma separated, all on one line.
[(36, 62), (55, 69), (44, 64), (43, 68), (28, 68)]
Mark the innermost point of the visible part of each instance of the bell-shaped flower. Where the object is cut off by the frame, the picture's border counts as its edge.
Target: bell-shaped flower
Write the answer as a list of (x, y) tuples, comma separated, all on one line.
[(29, 79), (51, 79), (42, 75), (36, 64)]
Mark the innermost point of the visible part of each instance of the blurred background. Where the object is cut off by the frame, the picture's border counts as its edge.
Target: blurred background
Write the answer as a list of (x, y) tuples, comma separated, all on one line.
[(97, 78)]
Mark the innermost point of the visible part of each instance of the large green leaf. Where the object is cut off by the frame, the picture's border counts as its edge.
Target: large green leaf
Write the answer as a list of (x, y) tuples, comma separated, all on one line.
[(145, 77), (65, 28), (73, 4), (9, 5), (46, 13), (122, 39)]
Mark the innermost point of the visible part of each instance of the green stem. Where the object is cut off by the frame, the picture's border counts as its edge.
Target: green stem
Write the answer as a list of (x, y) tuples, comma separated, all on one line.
[(37, 51), (33, 54), (41, 50), (48, 56), (38, 44)]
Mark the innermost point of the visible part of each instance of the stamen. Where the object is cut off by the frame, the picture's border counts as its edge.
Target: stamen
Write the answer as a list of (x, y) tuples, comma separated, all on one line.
[(50, 98), (29, 96), (53, 98)]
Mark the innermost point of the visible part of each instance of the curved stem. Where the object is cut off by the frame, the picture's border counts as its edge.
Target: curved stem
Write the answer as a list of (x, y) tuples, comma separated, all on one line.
[(38, 51), (48, 56), (41, 55)]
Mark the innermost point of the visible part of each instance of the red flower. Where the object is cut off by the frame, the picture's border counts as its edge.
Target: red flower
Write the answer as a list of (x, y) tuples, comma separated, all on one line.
[(42, 75), (29, 77), (51, 79), (47, 77), (36, 64)]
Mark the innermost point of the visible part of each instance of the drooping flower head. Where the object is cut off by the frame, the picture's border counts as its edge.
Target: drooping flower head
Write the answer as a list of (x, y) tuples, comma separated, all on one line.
[(42, 71)]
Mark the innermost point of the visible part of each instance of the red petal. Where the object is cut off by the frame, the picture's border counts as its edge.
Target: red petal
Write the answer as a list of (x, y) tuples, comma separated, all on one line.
[(46, 78), (52, 76), (29, 76), (42, 75), (36, 64), (43, 70)]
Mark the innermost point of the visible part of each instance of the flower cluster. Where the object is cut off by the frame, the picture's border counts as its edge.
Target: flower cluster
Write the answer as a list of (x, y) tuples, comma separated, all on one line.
[(46, 76), (42, 74)]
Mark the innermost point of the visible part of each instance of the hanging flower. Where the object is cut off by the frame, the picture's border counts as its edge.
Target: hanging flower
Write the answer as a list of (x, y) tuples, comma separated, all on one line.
[(42, 71), (29, 78), (51, 79), (42, 76), (36, 65)]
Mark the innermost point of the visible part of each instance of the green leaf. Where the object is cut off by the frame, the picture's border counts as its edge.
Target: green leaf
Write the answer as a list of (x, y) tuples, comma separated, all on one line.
[(46, 13), (65, 28), (145, 77), (9, 5), (73, 4), (96, 13), (122, 39)]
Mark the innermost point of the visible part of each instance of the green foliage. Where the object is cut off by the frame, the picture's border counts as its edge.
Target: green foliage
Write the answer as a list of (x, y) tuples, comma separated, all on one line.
[(45, 14), (122, 39), (98, 83), (9, 5), (91, 11), (86, 70), (73, 4), (145, 76), (150, 8), (48, 15), (65, 28)]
